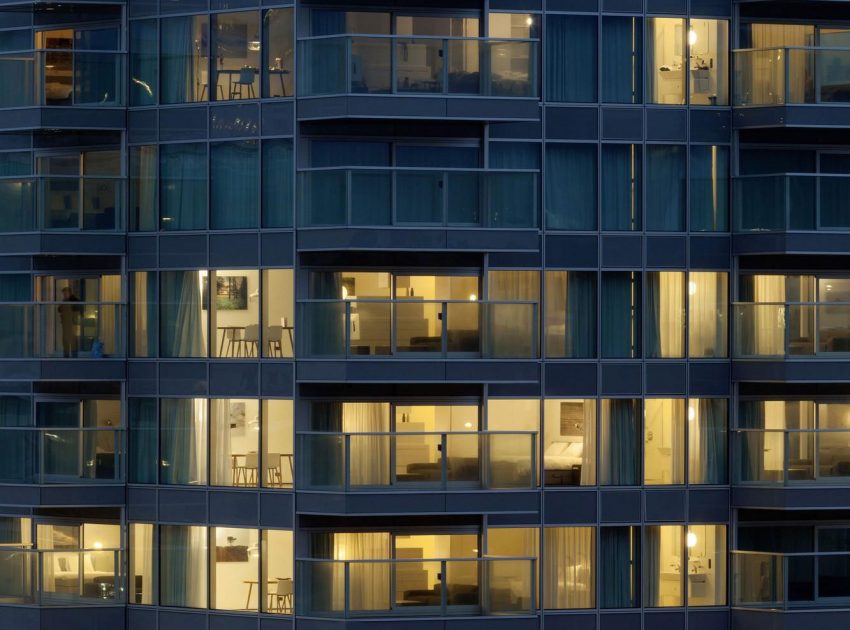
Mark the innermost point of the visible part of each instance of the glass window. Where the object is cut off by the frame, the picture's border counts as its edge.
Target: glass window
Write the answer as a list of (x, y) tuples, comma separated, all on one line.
[(569, 574), (278, 464), (237, 55), (665, 188), (183, 300), (142, 440), (708, 43), (143, 51), (665, 60), (664, 314), (335, 22), (143, 315), (571, 314), (234, 442), (706, 545), (662, 563), (708, 305), (511, 455), (183, 439), (709, 193), (277, 575), (619, 567), (183, 186), (278, 313), (620, 314), (512, 25), (277, 183), (664, 441), (235, 313), (571, 186), (278, 54), (184, 59), (619, 451), (234, 566), (183, 566), (143, 188), (569, 450), (621, 187), (512, 325), (234, 189), (571, 58), (142, 589), (622, 53), (707, 441)]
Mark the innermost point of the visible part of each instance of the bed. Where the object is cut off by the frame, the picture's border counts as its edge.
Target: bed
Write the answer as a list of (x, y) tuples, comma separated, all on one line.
[(562, 463)]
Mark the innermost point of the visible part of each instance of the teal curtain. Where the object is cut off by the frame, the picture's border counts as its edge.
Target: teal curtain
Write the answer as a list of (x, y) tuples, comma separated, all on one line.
[(571, 58), (142, 166), (619, 315), (183, 186), (16, 324), (182, 566), (326, 333), (571, 186), (618, 573), (513, 198), (665, 188), (277, 183), (622, 59), (834, 191), (234, 188), (17, 448), (580, 336), (177, 63), (621, 449), (709, 191), (180, 314), (142, 441), (183, 439), (326, 465), (143, 56), (16, 195), (621, 187), (652, 315), (712, 441)]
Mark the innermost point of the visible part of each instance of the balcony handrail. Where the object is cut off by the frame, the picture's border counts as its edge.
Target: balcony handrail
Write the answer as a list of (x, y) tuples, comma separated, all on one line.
[(806, 303), (790, 554), (49, 176), (402, 300), (791, 174), (405, 433), (396, 36), (88, 51), (815, 48), (416, 169), (416, 560), (754, 430)]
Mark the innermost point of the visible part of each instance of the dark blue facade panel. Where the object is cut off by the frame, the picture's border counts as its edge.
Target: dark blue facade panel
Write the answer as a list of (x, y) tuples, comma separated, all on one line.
[(708, 620), (573, 621), (620, 621), (141, 504), (182, 123), (182, 506), (666, 251), (235, 121), (276, 509), (665, 378), (179, 620), (709, 379), (621, 379), (142, 126), (234, 380), (276, 249), (237, 249), (571, 251), (710, 252), (276, 379), (277, 118), (708, 505), (572, 123), (711, 125), (667, 6), (622, 123), (141, 378), (232, 622), (183, 251), (665, 620), (141, 252), (666, 124), (620, 506), (622, 251), (570, 507), (571, 379), (182, 378), (234, 508), (667, 505)]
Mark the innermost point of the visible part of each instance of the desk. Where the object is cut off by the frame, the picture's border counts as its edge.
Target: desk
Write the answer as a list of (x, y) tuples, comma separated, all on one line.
[(280, 72), (250, 584)]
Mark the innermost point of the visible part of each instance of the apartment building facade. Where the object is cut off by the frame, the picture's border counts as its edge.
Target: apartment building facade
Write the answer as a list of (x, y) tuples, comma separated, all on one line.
[(452, 314)]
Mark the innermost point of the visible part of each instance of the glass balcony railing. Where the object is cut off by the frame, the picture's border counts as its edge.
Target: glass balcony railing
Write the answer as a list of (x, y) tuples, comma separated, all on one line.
[(346, 64), (63, 78), (61, 578), (783, 581), (792, 456), (421, 587), (791, 202), (353, 462), (791, 330), (61, 203), (85, 330), (417, 328), (414, 197), (792, 76)]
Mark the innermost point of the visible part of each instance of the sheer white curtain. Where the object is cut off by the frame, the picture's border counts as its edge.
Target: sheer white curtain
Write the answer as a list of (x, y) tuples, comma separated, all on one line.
[(588, 454), (708, 305), (671, 315), (368, 582), (569, 577), (142, 550), (769, 333), (221, 468), (370, 454)]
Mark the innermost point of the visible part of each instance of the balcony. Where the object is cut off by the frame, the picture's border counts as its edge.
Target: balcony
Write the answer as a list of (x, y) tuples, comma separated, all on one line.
[(84, 204), (62, 456), (434, 67), (800, 330), (776, 581), (63, 78), (69, 330), (418, 329), (345, 589), (418, 198), (417, 461), (789, 80), (787, 457), (61, 578)]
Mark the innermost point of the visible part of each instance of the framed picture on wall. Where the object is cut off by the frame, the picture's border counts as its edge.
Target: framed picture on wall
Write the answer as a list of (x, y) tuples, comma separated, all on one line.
[(231, 293)]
